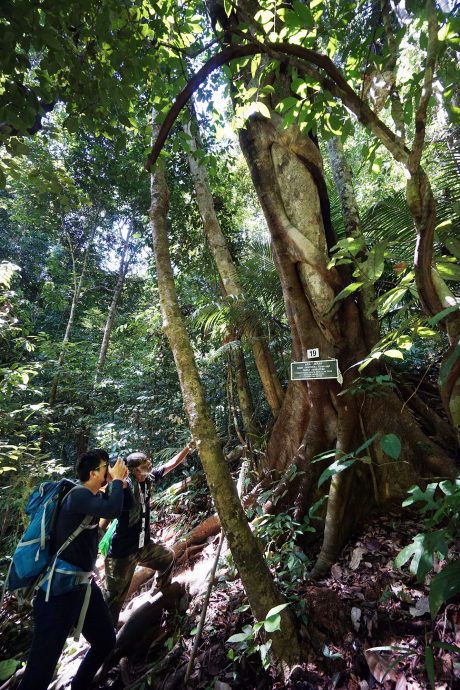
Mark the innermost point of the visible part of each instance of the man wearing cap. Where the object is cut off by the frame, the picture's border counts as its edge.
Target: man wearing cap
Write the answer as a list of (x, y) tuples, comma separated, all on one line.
[(131, 543)]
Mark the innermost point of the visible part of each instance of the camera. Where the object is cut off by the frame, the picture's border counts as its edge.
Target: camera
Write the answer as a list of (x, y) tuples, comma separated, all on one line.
[(113, 457)]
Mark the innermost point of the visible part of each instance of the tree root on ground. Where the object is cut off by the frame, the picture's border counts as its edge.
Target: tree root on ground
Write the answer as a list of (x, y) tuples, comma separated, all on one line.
[(184, 550)]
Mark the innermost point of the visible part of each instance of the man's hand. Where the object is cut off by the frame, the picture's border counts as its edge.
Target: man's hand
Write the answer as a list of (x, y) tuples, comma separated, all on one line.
[(179, 458), (119, 470)]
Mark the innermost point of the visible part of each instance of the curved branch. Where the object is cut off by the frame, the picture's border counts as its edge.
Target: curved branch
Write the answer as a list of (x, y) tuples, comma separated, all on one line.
[(336, 83)]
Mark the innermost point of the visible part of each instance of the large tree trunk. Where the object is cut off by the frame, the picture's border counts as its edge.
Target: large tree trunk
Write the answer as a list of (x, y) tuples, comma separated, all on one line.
[(256, 577), (227, 271), (287, 173)]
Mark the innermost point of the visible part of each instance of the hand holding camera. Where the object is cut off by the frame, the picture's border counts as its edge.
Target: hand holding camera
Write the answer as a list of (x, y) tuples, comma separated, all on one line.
[(118, 470)]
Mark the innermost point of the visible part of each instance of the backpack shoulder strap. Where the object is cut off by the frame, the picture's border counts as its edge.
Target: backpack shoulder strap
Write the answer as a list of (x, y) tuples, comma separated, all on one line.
[(84, 524)]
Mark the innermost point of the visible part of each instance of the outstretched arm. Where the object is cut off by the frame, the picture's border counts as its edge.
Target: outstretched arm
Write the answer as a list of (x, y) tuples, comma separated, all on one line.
[(177, 459)]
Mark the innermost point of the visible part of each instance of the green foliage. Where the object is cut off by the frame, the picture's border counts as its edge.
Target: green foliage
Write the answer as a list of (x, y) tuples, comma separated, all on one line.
[(248, 641), (389, 444), (441, 508), (23, 412), (7, 668), (421, 551), (443, 586), (279, 534)]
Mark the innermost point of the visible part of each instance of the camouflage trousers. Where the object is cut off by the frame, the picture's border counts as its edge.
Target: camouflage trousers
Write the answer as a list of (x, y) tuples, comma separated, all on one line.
[(119, 573)]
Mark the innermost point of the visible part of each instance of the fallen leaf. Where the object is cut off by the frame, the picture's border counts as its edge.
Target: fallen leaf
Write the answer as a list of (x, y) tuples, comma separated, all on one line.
[(402, 683), (336, 571), (402, 593), (421, 607), (356, 557), (355, 617), (379, 668)]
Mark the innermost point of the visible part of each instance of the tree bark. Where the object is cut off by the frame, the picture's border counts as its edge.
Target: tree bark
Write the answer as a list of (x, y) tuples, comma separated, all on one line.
[(256, 577), (341, 172), (253, 432), (227, 271)]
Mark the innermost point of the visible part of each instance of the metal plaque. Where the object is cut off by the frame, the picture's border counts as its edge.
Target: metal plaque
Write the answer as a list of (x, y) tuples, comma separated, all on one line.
[(315, 369)]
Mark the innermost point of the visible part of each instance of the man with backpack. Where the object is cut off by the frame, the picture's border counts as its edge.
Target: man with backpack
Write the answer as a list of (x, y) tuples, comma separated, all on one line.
[(58, 607), (131, 544)]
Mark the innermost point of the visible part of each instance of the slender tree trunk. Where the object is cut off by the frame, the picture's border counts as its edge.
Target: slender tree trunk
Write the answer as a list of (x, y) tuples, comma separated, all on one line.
[(433, 291), (341, 172), (219, 248), (78, 284), (122, 272), (256, 577), (253, 432)]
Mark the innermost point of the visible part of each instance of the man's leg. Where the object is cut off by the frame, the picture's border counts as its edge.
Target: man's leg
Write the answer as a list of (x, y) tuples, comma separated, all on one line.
[(118, 575), (158, 557), (53, 621), (98, 631)]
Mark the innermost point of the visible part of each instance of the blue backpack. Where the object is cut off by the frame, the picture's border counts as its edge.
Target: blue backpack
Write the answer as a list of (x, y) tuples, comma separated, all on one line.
[(35, 563)]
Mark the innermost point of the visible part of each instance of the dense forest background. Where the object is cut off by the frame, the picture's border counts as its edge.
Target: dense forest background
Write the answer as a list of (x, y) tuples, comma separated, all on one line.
[(307, 195)]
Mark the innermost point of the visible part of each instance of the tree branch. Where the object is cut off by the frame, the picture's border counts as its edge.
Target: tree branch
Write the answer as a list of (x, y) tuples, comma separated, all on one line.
[(336, 84), (420, 116)]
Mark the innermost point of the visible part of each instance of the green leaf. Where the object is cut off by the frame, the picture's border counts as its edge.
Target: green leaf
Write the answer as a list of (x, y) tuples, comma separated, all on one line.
[(448, 270), (304, 14), (448, 647), (273, 623), (7, 668), (395, 354), (275, 610), (390, 299), (261, 108), (368, 442), (391, 445), (240, 637), (453, 245), (420, 552), (443, 586), (336, 468), (349, 290), (429, 665), (448, 364), (228, 6), (427, 496), (441, 314)]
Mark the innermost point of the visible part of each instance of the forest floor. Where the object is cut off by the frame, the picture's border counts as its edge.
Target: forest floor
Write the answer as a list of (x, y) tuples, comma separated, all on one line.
[(364, 603)]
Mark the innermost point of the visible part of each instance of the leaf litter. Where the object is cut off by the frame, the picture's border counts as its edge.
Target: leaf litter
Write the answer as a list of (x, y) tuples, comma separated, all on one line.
[(368, 627)]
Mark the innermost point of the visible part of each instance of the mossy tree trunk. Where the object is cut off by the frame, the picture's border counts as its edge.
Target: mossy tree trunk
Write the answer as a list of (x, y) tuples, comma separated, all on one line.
[(257, 580)]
